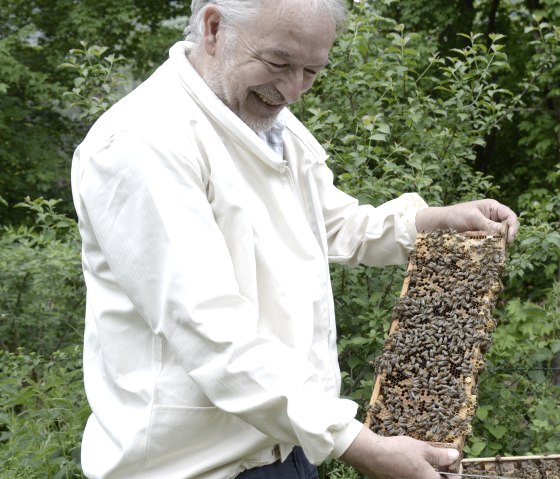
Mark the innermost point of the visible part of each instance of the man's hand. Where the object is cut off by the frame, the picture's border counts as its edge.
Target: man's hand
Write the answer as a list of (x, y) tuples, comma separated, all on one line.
[(480, 215), (396, 457)]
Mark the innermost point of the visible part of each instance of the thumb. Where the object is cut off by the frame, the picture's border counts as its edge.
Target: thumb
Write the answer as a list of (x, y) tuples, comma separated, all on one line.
[(442, 456)]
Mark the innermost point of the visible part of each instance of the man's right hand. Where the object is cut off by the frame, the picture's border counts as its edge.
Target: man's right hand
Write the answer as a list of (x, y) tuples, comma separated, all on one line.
[(397, 457)]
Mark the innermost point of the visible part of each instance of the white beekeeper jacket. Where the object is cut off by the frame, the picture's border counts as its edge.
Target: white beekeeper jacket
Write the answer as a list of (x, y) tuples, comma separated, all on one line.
[(210, 343)]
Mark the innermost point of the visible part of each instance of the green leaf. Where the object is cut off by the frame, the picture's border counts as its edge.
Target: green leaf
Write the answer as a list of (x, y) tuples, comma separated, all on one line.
[(378, 137), (476, 447), (482, 412), (505, 394), (497, 431)]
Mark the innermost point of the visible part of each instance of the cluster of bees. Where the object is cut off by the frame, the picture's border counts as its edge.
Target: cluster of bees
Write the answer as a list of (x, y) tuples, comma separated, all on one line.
[(528, 469), (442, 327)]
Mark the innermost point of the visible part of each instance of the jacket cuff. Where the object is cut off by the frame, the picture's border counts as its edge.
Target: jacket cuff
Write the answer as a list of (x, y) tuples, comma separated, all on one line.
[(344, 437), (408, 216)]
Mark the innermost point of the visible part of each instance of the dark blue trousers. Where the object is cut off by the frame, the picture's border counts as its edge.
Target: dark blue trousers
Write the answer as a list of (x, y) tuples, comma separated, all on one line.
[(296, 466)]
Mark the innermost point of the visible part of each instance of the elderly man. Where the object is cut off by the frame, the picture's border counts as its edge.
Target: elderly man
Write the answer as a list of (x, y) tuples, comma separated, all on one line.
[(208, 218)]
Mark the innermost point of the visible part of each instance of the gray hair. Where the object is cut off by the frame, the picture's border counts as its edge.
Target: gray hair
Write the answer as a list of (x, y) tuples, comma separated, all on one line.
[(237, 13)]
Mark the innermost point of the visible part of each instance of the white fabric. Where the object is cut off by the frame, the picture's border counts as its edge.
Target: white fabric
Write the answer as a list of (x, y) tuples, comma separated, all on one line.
[(210, 337)]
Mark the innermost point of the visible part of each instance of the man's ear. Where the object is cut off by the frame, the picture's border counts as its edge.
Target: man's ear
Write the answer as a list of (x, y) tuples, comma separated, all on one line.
[(211, 22)]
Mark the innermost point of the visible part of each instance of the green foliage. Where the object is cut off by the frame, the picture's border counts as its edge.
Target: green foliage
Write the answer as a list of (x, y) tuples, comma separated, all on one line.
[(439, 19), (43, 413), (518, 410), (29, 145), (524, 149), (539, 119), (37, 132), (403, 119), (96, 81), (535, 257), (336, 469), (520, 394), (41, 289), (42, 402)]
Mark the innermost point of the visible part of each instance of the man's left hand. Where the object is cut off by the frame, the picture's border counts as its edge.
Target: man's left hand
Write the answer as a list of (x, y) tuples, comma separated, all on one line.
[(480, 215)]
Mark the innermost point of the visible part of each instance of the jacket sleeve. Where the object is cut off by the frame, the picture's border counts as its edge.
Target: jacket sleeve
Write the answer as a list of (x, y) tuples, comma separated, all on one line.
[(150, 214), (357, 234), (364, 234)]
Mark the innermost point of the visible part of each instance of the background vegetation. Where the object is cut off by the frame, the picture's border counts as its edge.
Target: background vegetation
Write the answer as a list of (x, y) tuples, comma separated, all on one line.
[(455, 99)]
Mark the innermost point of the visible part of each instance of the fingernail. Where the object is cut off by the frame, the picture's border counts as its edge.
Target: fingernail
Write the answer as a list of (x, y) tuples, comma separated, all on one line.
[(453, 454)]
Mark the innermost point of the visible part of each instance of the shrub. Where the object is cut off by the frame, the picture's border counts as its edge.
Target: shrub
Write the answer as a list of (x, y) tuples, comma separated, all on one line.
[(42, 293), (43, 413)]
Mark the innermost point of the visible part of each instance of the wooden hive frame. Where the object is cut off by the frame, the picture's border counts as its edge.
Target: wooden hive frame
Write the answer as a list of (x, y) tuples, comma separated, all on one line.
[(519, 467), (427, 374)]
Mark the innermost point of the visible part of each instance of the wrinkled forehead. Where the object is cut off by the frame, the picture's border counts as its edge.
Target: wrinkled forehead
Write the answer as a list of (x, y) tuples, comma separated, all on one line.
[(298, 11), (287, 27)]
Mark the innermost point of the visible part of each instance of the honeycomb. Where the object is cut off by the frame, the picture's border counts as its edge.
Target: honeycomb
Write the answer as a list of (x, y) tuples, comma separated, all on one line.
[(442, 325), (529, 467)]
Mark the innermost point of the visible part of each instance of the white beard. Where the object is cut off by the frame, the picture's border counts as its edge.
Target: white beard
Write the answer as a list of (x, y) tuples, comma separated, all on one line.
[(216, 79)]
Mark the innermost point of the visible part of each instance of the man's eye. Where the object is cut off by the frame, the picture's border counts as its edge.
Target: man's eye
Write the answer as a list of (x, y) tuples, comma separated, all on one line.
[(309, 71), (278, 66)]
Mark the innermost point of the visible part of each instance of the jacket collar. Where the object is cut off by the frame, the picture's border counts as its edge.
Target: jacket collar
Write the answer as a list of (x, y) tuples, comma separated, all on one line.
[(214, 108)]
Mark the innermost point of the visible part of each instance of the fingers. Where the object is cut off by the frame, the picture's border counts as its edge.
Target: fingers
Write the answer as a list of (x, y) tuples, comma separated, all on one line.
[(480, 215), (397, 457), (442, 456), (507, 216), (512, 227)]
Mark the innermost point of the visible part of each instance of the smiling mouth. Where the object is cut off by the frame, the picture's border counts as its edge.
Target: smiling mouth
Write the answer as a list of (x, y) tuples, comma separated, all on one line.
[(266, 100)]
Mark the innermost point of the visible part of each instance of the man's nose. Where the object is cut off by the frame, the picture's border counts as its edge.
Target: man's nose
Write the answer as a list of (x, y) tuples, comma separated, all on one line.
[(293, 85)]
